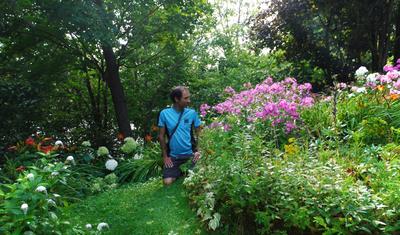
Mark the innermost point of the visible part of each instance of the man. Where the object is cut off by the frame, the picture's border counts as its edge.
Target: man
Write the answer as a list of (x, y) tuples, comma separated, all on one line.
[(176, 122)]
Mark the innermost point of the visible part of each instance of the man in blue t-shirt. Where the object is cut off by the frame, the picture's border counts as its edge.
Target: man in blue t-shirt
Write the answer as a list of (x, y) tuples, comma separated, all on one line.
[(176, 122)]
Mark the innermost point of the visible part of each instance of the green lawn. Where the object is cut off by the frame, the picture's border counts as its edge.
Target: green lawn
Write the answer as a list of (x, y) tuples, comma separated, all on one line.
[(148, 208)]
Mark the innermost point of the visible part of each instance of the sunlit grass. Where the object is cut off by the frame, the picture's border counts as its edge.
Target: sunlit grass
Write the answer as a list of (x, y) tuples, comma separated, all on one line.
[(144, 208)]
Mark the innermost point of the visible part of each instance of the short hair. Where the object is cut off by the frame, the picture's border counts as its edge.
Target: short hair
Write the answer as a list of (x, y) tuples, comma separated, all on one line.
[(177, 92)]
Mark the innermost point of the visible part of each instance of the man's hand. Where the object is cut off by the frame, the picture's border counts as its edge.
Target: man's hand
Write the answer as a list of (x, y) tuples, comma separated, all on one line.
[(196, 157), (168, 162)]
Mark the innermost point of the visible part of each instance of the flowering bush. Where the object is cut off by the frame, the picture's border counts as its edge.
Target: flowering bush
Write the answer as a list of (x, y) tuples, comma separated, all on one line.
[(271, 109), (337, 176), (31, 203), (277, 103)]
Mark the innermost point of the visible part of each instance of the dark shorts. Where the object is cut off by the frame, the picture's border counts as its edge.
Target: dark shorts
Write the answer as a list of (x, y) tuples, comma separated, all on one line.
[(175, 170)]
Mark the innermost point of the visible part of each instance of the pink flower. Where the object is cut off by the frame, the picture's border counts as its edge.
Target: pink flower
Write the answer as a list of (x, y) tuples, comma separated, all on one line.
[(397, 84), (229, 90), (290, 126), (226, 127), (247, 85), (341, 85), (203, 109), (393, 74), (307, 102), (388, 68), (384, 79)]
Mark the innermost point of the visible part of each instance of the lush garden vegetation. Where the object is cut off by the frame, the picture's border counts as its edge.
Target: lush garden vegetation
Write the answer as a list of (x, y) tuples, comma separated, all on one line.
[(299, 137)]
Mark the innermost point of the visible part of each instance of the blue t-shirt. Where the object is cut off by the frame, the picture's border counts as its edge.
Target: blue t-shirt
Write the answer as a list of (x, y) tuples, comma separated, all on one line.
[(180, 144)]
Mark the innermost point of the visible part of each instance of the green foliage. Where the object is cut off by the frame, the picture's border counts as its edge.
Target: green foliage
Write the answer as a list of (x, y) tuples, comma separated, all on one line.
[(142, 166), (37, 191), (332, 36), (141, 208)]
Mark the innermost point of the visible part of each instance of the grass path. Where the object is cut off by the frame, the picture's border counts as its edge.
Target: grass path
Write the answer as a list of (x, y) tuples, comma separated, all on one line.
[(148, 208)]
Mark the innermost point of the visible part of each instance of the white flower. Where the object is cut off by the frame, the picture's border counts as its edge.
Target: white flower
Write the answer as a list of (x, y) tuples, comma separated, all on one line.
[(51, 202), (361, 90), (111, 164), (138, 156), (102, 226), (361, 71), (372, 77), (86, 143), (59, 143), (55, 173), (30, 176), (88, 226), (24, 208), (41, 189), (70, 159), (56, 195)]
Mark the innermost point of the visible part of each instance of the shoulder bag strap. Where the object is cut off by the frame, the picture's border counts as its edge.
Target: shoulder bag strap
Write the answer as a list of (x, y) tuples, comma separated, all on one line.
[(176, 127)]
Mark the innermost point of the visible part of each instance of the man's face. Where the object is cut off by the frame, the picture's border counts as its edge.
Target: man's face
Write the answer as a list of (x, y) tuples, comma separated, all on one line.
[(185, 100)]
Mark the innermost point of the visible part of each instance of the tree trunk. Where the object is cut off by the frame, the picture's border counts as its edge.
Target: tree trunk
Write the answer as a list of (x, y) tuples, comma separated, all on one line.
[(114, 82), (396, 48), (380, 40), (117, 92)]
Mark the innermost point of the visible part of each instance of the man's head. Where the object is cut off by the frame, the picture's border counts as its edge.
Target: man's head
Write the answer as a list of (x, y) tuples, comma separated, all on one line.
[(180, 96)]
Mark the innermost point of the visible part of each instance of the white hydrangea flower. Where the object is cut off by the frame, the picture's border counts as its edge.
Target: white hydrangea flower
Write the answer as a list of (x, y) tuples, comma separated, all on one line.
[(129, 139), (41, 189), (30, 176), (102, 151), (70, 159), (88, 226), (111, 164), (102, 226), (372, 77), (51, 202), (361, 71), (361, 90), (24, 208), (59, 143), (129, 146), (86, 143), (138, 156)]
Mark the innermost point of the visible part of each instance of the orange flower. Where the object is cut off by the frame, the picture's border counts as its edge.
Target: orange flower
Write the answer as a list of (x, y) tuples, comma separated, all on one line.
[(394, 96), (148, 138), (154, 128), (46, 139), (120, 136), (20, 168), (46, 149), (29, 141), (380, 87)]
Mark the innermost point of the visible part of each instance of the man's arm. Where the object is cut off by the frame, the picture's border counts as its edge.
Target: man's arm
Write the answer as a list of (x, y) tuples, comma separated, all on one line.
[(161, 138)]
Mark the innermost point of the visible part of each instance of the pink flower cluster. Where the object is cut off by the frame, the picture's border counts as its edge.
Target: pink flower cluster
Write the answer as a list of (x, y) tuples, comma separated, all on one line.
[(276, 102), (391, 79)]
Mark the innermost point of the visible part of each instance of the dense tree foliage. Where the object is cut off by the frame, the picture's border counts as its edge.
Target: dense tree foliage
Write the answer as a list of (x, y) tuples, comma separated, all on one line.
[(87, 44), (335, 36)]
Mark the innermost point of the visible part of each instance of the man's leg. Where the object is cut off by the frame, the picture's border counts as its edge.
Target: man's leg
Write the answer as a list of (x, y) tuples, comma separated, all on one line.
[(170, 174), (168, 181)]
